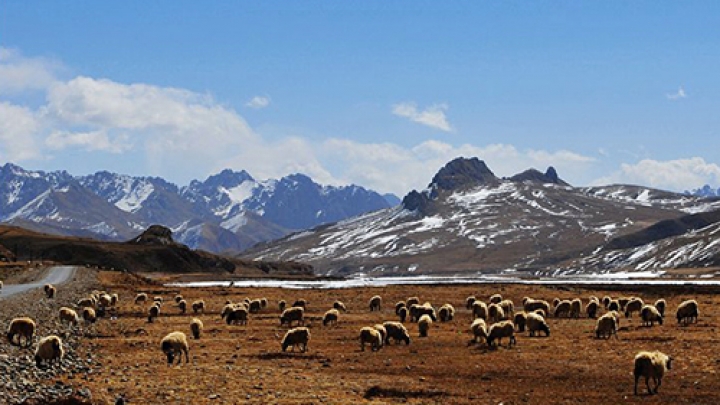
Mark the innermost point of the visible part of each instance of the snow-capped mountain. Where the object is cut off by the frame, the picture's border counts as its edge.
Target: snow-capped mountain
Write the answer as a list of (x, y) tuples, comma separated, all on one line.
[(469, 220), (229, 211)]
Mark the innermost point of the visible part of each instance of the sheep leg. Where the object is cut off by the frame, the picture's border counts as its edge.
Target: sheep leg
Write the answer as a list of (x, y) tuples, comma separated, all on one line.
[(637, 378), (658, 381), (187, 357), (647, 384)]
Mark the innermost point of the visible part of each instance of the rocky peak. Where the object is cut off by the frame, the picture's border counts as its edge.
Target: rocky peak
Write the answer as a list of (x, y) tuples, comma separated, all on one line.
[(533, 175), (462, 172), (155, 235)]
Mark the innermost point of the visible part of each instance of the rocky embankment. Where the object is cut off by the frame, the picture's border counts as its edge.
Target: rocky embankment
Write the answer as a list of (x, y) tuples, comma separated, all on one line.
[(21, 381)]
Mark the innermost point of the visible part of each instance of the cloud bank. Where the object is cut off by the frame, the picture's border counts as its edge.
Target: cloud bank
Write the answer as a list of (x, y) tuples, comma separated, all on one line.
[(433, 116)]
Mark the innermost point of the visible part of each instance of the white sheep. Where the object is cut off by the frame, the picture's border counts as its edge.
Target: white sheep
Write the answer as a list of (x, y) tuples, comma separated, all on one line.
[(495, 299), (634, 305), (375, 303), (398, 305), (105, 300), (606, 326), (198, 306), (158, 299), (196, 327), (479, 330), (69, 315), (293, 314), (340, 306), (182, 305), (520, 319), (237, 314), (614, 305), (495, 313), (508, 308), (175, 343), (480, 310), (302, 303), (380, 328), (424, 324), (281, 305), (178, 298), (403, 314), (397, 332), (263, 302), (649, 315), (563, 308), (140, 298), (623, 301), (530, 305), (591, 309), (22, 328), (371, 336), (296, 337), (114, 299), (536, 323), (49, 350), (86, 302), (501, 330), (575, 308), (660, 305), (469, 301), (412, 301), (606, 301), (687, 312), (651, 365), (331, 317), (255, 306), (416, 311), (153, 313), (89, 315), (446, 313)]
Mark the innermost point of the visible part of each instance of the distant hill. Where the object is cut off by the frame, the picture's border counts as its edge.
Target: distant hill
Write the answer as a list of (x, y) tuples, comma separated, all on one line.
[(228, 212), (468, 220)]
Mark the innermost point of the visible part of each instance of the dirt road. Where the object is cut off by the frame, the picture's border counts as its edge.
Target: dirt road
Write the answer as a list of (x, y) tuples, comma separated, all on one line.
[(55, 275)]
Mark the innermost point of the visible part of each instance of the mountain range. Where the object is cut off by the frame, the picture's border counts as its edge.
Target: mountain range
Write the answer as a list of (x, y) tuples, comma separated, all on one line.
[(228, 212), (468, 220)]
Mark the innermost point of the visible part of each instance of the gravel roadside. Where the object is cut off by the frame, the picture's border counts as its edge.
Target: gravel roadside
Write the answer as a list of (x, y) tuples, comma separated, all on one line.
[(21, 381)]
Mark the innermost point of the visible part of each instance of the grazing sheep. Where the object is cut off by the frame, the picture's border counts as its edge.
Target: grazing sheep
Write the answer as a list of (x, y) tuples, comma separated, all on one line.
[(340, 306), (292, 314), (555, 302), (114, 299), (508, 307), (380, 328), (606, 301), (229, 307), (616, 315), (412, 301), (50, 291), (479, 330), (480, 310), (375, 303), (46, 287), (424, 324), (397, 332), (563, 308), (495, 313), (86, 302), (331, 316), (175, 343), (531, 305), (575, 308), (281, 305), (520, 319), (255, 306), (23, 328), (69, 315), (158, 299), (592, 308), (178, 298), (469, 301), (153, 313), (237, 315), (651, 365), (536, 323), (446, 313), (540, 312), (49, 350), (424, 309), (198, 306), (634, 305), (372, 336), (660, 305), (398, 305), (196, 327), (302, 303), (296, 337), (687, 312), (89, 315), (263, 302), (606, 326), (182, 304), (403, 314), (614, 305), (649, 315), (495, 299), (501, 330), (594, 298), (104, 300)]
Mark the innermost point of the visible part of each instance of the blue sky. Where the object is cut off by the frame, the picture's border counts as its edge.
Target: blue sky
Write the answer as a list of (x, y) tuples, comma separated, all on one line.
[(374, 93)]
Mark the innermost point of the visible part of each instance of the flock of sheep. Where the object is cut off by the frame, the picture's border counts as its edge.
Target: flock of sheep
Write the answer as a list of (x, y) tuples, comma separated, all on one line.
[(491, 322)]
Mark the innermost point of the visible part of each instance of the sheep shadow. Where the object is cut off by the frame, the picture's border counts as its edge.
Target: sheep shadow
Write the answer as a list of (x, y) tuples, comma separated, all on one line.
[(379, 392)]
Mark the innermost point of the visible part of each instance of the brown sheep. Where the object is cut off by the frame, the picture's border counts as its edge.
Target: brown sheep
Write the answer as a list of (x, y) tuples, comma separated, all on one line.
[(175, 343), (372, 336), (22, 328), (296, 337), (651, 365), (375, 303), (49, 350)]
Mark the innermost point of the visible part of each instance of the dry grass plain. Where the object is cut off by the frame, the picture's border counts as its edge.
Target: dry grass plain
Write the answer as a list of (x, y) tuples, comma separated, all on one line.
[(244, 364)]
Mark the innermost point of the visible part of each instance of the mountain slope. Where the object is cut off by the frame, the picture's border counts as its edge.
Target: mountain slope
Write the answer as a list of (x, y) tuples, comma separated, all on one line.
[(469, 220)]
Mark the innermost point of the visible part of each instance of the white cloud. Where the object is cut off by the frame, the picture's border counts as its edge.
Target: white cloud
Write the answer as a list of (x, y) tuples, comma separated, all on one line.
[(18, 129), (90, 141), (677, 95), (433, 116), (676, 175), (258, 102), (19, 73)]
